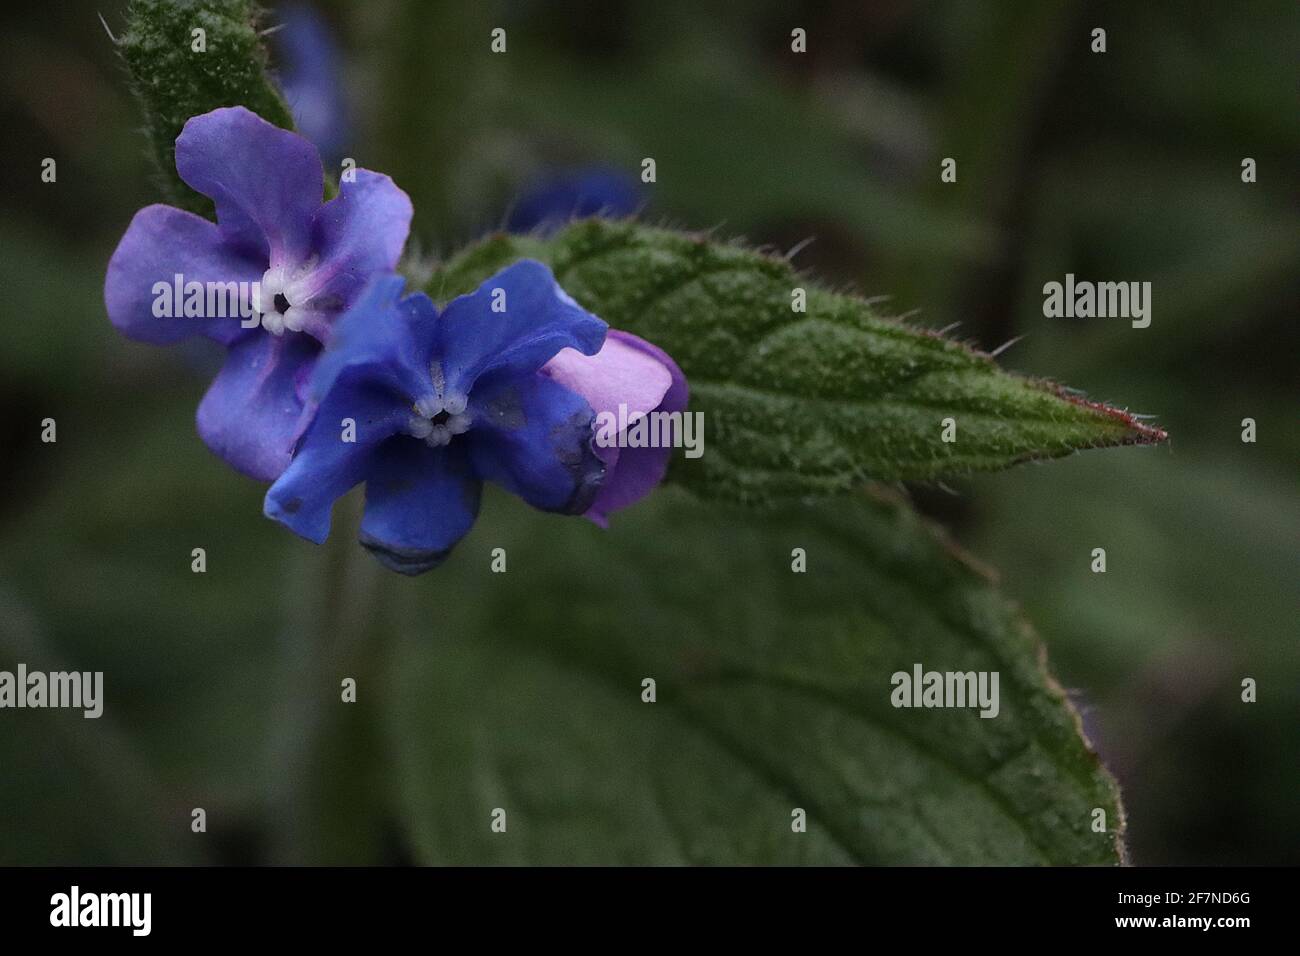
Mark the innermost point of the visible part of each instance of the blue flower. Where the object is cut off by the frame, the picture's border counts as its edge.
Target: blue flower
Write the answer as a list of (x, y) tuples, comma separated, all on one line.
[(311, 76), (423, 407), (305, 259), (574, 195)]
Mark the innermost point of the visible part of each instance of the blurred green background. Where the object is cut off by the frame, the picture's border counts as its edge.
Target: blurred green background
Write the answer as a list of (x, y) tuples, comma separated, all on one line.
[(1119, 166)]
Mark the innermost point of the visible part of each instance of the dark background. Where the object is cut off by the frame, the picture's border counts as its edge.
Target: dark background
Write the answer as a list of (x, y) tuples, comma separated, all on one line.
[(1117, 166)]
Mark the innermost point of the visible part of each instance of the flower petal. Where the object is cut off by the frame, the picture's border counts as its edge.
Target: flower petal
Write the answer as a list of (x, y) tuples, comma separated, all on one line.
[(253, 412), (266, 182), (382, 339), (633, 474), (160, 243), (621, 373), (679, 392), (538, 320), (420, 501), (359, 232), (534, 438), (326, 465), (629, 371)]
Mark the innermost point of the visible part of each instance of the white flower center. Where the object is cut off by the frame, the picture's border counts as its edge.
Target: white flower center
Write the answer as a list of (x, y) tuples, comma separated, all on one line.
[(283, 297), (438, 417)]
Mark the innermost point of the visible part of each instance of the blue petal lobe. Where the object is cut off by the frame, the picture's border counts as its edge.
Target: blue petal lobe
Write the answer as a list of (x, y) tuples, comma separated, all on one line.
[(160, 243), (379, 339), (254, 410), (534, 438), (327, 464), (420, 501), (359, 232), (534, 318), (266, 182)]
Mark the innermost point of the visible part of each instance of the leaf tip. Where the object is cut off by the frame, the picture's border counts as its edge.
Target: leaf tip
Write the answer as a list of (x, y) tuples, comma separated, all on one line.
[(1136, 432)]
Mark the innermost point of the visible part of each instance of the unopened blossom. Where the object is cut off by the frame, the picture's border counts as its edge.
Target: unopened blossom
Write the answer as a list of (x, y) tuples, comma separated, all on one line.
[(628, 379)]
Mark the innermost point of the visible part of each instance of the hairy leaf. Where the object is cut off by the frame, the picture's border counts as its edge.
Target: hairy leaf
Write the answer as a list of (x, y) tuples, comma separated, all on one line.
[(798, 402), (174, 81), (524, 691)]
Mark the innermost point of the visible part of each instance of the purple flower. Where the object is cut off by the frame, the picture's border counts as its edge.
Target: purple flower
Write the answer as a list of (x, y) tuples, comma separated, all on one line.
[(311, 76), (307, 260), (424, 406), (574, 195), (632, 373)]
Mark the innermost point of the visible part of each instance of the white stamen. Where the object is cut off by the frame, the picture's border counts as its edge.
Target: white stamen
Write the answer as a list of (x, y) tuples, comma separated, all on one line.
[(454, 404), (419, 427), (428, 406), (292, 285), (458, 424), (272, 284)]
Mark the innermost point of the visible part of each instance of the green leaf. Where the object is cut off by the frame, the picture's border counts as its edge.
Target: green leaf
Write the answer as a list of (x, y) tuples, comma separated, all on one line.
[(523, 691), (1161, 653), (173, 81), (797, 403)]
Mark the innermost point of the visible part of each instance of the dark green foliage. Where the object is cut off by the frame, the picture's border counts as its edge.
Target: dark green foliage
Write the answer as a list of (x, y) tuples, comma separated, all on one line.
[(174, 82)]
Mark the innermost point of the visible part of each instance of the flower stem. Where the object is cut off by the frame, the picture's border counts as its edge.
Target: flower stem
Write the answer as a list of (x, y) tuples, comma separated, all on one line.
[(327, 758)]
